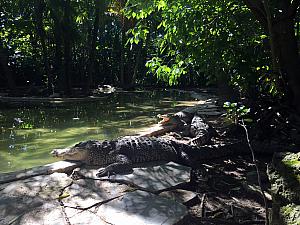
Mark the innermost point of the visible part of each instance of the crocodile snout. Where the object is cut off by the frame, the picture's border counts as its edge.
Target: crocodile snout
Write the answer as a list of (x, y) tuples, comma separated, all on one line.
[(54, 152), (73, 153), (58, 152)]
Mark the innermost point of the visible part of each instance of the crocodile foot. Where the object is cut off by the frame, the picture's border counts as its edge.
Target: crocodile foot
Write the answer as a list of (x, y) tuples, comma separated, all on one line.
[(113, 170), (104, 172), (76, 174)]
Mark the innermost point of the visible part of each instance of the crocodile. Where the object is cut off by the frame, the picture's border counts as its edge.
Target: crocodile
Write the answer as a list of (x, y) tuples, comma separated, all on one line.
[(191, 124), (122, 154)]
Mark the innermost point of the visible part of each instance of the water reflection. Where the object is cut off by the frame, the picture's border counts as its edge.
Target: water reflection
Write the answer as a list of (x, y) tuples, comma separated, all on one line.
[(28, 134)]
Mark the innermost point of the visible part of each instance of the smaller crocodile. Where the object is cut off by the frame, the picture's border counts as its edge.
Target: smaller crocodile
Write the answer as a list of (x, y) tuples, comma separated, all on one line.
[(189, 123), (121, 154)]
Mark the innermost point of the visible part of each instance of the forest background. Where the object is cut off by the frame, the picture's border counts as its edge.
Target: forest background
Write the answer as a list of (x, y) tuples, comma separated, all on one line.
[(251, 46)]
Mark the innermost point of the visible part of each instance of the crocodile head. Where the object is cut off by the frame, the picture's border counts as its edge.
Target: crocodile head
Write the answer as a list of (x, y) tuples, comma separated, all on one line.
[(170, 120), (78, 152)]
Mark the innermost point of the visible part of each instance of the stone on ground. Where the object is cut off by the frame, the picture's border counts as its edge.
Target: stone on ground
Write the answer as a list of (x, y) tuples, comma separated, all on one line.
[(284, 175), (153, 177), (33, 200), (61, 166), (141, 208), (52, 199)]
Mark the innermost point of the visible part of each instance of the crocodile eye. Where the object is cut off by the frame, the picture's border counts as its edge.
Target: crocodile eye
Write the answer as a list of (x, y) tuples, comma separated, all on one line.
[(78, 144)]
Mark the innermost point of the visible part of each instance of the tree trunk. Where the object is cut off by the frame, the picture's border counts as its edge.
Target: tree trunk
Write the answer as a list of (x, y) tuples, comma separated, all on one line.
[(58, 38), (5, 70), (122, 50), (138, 61), (122, 59), (67, 48), (39, 10), (92, 51), (281, 30), (289, 60), (58, 70)]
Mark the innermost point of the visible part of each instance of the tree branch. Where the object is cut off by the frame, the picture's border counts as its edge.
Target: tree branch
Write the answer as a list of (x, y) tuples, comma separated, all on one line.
[(257, 9)]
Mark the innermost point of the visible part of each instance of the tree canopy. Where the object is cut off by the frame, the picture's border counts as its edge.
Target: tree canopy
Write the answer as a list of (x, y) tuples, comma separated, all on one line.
[(251, 45)]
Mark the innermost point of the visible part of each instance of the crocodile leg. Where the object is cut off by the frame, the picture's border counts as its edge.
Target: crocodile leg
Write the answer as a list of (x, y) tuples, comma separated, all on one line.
[(201, 131), (122, 164), (201, 139)]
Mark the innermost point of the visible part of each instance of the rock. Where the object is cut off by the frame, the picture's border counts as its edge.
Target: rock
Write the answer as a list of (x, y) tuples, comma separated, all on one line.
[(290, 214), (33, 200), (152, 176), (142, 208), (181, 196), (52, 199), (85, 192), (61, 166), (284, 175), (134, 208)]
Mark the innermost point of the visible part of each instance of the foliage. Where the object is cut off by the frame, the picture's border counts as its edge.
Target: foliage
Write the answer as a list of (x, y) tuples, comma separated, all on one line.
[(236, 112), (214, 38), (26, 126), (21, 39), (197, 43)]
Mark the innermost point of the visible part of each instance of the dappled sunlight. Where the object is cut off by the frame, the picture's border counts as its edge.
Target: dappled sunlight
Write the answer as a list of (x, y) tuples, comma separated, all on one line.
[(186, 103)]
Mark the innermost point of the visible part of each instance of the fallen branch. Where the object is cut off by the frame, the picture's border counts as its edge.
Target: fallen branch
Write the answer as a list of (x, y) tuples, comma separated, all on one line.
[(62, 203), (78, 207), (202, 205), (93, 205), (128, 183)]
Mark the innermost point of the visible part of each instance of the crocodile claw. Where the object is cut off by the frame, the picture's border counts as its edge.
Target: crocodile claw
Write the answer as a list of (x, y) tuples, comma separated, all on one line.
[(103, 172)]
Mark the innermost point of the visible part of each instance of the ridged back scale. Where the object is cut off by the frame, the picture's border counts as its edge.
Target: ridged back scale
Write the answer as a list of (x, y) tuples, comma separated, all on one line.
[(137, 149)]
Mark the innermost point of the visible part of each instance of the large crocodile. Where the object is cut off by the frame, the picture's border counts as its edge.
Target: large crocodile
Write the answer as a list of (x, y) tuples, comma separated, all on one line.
[(121, 154)]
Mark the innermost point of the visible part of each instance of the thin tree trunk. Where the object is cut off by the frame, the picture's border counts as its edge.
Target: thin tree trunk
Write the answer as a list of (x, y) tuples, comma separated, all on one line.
[(138, 60), (67, 48), (58, 38), (271, 35), (39, 10), (92, 51), (283, 41), (289, 59), (122, 50), (58, 59), (122, 59), (5, 70)]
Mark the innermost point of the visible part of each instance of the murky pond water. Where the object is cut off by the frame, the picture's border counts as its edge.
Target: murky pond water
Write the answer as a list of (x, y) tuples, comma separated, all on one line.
[(27, 134)]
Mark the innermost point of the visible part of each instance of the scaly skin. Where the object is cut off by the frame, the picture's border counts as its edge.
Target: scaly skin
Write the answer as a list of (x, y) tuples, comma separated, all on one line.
[(190, 124), (119, 155)]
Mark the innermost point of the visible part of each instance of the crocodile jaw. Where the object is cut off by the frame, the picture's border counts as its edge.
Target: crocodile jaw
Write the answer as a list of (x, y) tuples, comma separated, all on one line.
[(74, 153)]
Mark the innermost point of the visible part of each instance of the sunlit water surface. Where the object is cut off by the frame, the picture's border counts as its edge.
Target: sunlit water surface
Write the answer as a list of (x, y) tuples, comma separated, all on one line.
[(28, 134)]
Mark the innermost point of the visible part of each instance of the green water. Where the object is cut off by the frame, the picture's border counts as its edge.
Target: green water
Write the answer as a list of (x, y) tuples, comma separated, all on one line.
[(28, 143)]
